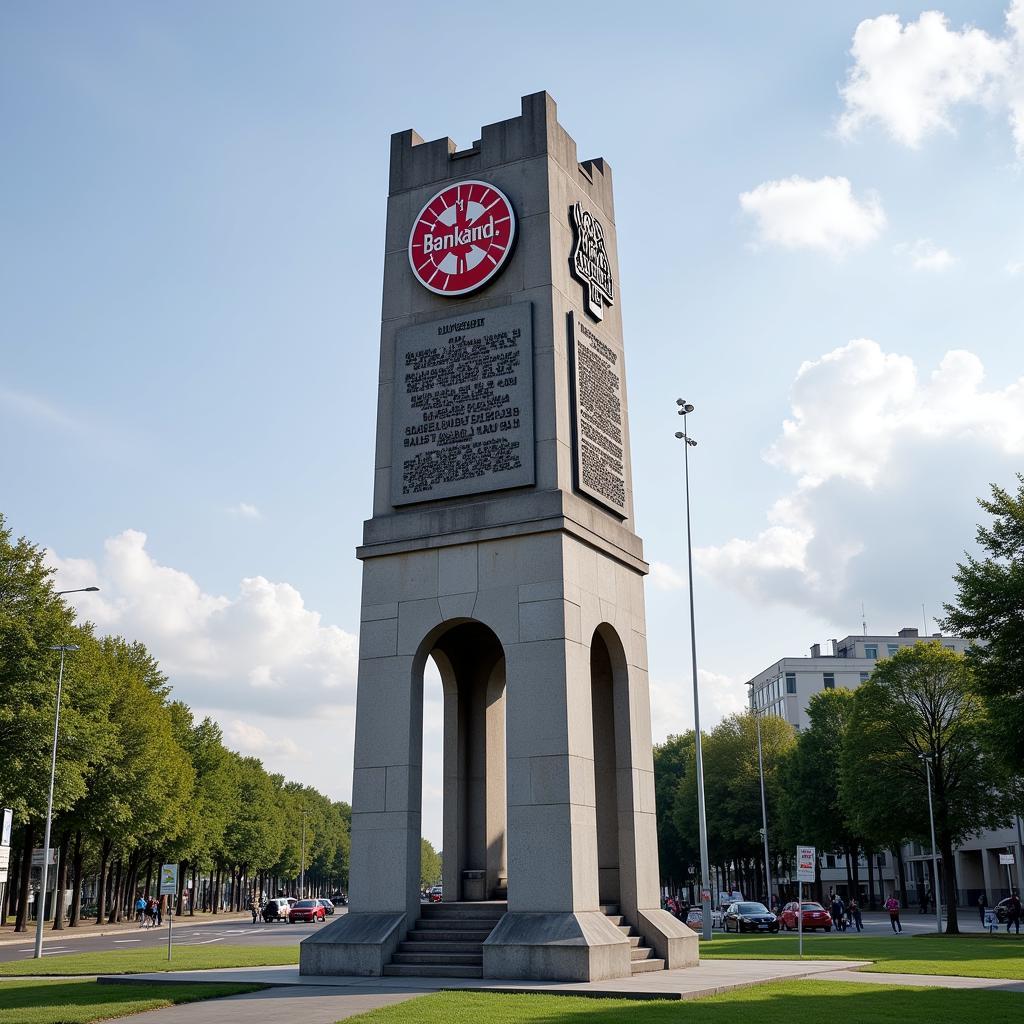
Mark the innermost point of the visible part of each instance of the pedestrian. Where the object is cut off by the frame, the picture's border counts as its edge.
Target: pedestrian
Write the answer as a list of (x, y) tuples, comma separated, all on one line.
[(981, 908), (140, 910), (854, 912), (154, 912), (1013, 912), (893, 906), (838, 913), (254, 907)]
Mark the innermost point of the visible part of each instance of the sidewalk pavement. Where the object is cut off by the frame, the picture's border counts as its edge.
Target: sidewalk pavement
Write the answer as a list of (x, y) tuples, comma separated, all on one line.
[(91, 930), (324, 1000)]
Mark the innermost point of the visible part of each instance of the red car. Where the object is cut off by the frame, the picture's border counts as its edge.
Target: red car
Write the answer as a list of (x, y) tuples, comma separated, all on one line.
[(307, 910), (815, 916)]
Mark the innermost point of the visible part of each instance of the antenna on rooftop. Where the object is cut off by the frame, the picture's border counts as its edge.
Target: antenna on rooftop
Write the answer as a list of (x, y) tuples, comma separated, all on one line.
[(925, 618), (863, 619)]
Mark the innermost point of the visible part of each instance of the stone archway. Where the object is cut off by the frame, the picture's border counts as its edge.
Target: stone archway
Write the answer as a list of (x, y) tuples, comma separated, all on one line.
[(471, 662)]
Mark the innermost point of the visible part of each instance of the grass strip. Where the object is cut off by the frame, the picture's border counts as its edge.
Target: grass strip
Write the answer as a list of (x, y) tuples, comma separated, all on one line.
[(82, 1001), (787, 1002), (144, 961), (987, 957)]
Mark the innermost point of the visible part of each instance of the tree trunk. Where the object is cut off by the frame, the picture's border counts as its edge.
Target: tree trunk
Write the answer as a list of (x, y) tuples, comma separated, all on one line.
[(76, 893), (21, 920), (192, 892), (149, 875), (131, 890), (115, 891), (948, 888), (901, 874), (101, 888), (10, 901), (62, 881), (871, 880), (855, 894), (215, 897), (848, 859)]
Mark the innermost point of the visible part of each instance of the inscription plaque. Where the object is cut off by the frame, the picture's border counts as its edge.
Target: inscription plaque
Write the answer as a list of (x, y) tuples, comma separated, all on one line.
[(599, 437), (463, 405)]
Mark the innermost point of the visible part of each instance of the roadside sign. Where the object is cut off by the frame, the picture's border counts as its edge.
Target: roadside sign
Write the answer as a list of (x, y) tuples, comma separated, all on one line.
[(168, 879), (37, 857), (705, 896), (5, 860), (1006, 858), (5, 827), (805, 862)]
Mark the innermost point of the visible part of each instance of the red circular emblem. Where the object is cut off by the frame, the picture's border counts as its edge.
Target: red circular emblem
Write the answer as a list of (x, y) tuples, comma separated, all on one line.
[(462, 238)]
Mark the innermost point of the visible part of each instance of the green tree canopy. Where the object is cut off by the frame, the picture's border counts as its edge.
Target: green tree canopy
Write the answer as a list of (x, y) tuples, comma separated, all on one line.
[(989, 608)]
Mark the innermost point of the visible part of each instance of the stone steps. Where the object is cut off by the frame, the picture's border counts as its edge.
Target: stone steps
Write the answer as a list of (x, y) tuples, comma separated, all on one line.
[(447, 941), (641, 957)]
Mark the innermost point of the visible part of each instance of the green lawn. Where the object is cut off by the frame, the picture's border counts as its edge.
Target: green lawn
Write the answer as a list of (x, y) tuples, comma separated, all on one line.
[(78, 1002), (142, 961), (790, 1002), (987, 956)]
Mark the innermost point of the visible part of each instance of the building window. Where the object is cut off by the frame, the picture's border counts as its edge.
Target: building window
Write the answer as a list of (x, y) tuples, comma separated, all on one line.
[(871, 651), (880, 860), (830, 861), (949, 647), (892, 648), (790, 682), (864, 676), (830, 680)]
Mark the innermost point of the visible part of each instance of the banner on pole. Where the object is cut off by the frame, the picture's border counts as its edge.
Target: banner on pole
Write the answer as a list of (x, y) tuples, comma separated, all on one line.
[(805, 863), (1006, 858), (168, 879), (6, 824)]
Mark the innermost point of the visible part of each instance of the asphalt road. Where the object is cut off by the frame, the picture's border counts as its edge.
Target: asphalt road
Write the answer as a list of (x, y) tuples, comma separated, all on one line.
[(234, 932)]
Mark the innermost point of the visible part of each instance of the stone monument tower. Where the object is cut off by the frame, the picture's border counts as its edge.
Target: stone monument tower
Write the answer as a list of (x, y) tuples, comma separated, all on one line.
[(502, 546)]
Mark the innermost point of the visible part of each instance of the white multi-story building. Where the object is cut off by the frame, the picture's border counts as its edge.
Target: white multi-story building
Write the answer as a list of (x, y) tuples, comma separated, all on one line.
[(784, 689)]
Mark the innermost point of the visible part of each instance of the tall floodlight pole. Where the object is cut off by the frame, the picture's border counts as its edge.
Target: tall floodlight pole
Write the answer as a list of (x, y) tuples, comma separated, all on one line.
[(764, 805), (685, 408), (43, 880), (937, 895)]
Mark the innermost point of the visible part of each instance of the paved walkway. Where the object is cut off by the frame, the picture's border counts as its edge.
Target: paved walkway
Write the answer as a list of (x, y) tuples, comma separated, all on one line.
[(324, 1000)]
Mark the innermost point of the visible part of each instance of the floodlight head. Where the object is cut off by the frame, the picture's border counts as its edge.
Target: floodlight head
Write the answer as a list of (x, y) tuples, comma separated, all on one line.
[(680, 434)]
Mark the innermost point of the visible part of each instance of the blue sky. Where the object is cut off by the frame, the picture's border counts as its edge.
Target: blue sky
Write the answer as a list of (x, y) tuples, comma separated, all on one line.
[(192, 204)]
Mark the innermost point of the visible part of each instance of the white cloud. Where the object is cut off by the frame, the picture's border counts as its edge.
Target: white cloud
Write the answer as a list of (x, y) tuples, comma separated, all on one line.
[(251, 740), (27, 406), (664, 577), (887, 466), (909, 78), (243, 510), (924, 254), (261, 649), (1014, 267), (797, 213), (672, 702)]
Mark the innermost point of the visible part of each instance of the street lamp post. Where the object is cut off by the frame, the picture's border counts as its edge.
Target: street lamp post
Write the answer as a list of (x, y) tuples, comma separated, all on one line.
[(685, 408), (41, 908), (764, 805), (937, 895)]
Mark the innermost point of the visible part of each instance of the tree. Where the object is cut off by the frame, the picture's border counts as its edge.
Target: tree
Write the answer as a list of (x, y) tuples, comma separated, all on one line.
[(732, 791), (430, 864), (671, 761), (922, 703), (813, 811), (989, 609)]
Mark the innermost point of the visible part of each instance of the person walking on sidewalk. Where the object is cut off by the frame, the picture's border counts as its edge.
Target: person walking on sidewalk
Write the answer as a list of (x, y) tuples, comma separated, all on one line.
[(893, 906), (1013, 911), (981, 908), (140, 910), (853, 910)]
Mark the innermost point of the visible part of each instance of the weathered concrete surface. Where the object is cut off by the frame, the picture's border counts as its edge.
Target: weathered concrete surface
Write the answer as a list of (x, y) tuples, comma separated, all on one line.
[(356, 944), (563, 947)]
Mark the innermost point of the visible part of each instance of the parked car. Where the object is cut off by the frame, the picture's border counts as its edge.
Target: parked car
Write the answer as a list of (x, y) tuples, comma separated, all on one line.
[(340, 899), (307, 910), (328, 906), (814, 914), (276, 909), (434, 893), (749, 917), (695, 919)]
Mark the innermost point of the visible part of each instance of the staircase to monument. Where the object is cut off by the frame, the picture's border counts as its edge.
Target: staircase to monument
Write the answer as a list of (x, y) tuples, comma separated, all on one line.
[(642, 957), (447, 941)]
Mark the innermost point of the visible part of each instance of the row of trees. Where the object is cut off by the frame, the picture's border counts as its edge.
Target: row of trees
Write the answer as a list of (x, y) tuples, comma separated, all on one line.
[(856, 780), (139, 781)]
